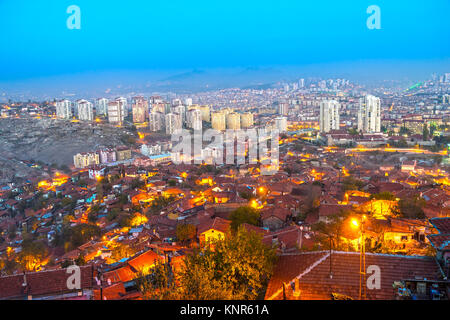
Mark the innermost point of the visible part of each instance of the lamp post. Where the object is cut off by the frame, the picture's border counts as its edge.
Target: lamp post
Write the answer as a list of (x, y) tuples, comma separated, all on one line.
[(362, 256)]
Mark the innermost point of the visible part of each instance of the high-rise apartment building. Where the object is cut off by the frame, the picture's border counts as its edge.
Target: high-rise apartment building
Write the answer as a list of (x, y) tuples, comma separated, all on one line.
[(246, 120), (369, 114), (116, 112), (194, 119), (64, 109), (172, 122), (180, 110), (233, 121), (329, 115), (156, 121), (218, 120), (140, 109), (283, 108), (85, 110), (101, 106), (280, 123), (123, 101)]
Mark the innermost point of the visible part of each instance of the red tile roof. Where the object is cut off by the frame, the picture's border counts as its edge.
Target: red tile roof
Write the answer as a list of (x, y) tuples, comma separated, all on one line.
[(441, 224), (144, 260), (218, 224), (312, 269), (43, 283)]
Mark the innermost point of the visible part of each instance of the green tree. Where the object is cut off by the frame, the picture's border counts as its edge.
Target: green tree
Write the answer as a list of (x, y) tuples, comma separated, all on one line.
[(386, 195), (411, 208), (186, 232), (32, 254), (237, 267), (244, 215), (426, 132), (240, 264)]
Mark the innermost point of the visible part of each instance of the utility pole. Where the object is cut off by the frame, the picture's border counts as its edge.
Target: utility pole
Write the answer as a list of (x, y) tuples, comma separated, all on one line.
[(362, 264)]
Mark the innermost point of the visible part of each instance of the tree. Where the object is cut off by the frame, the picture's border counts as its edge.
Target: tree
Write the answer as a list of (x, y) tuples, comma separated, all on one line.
[(92, 217), (186, 232), (32, 254), (81, 233), (137, 183), (241, 263), (244, 215), (122, 251), (426, 132), (411, 208), (237, 267), (331, 231), (386, 195)]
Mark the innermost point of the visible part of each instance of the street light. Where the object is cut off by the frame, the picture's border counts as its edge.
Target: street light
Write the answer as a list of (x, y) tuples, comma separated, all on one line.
[(355, 223)]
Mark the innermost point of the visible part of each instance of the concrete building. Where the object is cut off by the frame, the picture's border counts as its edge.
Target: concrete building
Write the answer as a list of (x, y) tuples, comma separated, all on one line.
[(116, 113), (85, 159), (107, 155), (280, 123), (218, 121), (180, 110), (247, 120), (206, 112), (283, 108), (123, 153), (233, 121), (194, 119), (329, 115), (156, 121), (64, 109), (123, 101), (150, 150), (172, 122), (101, 106), (369, 114), (140, 109), (85, 110)]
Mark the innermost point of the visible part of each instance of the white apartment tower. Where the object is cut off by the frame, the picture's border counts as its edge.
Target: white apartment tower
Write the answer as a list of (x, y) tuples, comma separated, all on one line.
[(101, 106), (369, 115), (329, 115), (283, 108), (116, 112), (85, 110), (156, 121), (280, 123), (123, 101), (173, 122), (195, 119), (63, 109)]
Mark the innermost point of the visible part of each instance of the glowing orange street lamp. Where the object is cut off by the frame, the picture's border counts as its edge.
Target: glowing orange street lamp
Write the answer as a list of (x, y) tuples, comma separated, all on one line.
[(355, 223)]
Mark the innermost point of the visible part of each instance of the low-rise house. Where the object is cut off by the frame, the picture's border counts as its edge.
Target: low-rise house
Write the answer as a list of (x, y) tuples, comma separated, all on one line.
[(325, 275), (46, 285)]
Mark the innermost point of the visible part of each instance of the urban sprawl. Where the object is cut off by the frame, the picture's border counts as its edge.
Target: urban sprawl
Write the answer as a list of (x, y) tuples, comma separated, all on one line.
[(356, 207)]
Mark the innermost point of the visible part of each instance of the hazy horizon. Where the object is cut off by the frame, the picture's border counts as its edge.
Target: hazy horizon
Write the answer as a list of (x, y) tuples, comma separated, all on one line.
[(199, 45)]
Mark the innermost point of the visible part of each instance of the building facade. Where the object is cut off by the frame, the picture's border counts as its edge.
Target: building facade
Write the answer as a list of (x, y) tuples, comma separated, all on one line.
[(329, 115), (369, 114)]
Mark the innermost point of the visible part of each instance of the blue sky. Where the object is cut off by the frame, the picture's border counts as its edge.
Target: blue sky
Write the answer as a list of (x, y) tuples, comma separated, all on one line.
[(182, 34)]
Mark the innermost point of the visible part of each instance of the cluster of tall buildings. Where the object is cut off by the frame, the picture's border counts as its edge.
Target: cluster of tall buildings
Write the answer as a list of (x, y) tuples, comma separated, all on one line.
[(228, 119), (159, 114), (369, 115)]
